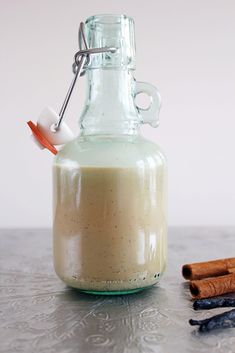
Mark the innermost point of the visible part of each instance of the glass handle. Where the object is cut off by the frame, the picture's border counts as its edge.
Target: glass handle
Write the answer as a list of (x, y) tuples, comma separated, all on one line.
[(149, 115)]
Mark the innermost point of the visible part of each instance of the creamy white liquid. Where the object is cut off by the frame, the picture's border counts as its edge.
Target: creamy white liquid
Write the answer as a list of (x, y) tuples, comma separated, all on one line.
[(109, 227)]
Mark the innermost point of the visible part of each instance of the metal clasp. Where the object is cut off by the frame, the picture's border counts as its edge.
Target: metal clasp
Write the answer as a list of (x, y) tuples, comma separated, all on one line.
[(81, 58)]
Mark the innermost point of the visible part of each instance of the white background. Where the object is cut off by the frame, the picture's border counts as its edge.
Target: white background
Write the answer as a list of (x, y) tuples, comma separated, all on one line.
[(185, 47)]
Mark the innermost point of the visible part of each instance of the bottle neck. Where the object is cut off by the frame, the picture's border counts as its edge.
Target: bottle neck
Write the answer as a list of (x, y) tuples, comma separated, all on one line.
[(110, 106)]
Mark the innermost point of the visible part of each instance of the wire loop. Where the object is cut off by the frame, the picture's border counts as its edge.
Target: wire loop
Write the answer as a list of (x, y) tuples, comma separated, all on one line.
[(81, 58)]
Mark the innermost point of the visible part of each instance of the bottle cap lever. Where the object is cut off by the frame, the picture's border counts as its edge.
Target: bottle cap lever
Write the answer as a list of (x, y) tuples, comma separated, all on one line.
[(50, 130)]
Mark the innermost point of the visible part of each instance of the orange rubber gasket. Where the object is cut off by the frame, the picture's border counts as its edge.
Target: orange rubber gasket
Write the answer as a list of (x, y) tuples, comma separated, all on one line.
[(41, 139)]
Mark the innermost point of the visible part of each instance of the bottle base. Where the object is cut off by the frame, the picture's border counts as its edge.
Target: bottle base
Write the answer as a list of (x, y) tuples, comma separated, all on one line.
[(122, 292)]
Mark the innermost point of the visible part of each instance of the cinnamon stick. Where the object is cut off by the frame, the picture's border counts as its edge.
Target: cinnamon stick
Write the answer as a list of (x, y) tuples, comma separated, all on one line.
[(207, 269), (231, 270), (211, 287)]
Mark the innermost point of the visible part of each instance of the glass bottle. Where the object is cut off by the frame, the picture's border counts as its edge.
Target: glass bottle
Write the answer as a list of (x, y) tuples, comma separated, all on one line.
[(110, 182)]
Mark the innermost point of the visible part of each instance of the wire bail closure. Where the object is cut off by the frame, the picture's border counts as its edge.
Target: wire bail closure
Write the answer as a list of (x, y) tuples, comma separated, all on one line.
[(81, 58)]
